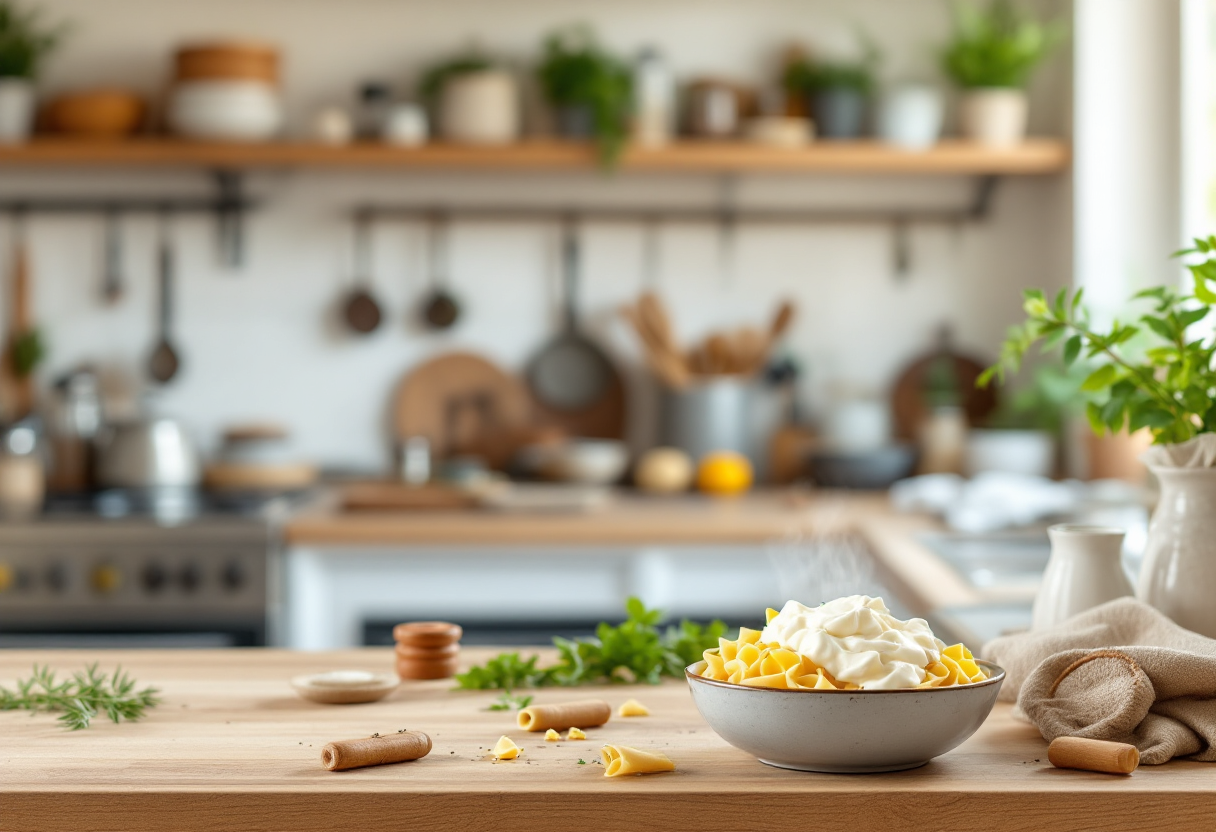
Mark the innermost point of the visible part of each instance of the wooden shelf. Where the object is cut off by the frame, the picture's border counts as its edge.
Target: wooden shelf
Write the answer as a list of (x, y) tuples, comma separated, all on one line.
[(1037, 156)]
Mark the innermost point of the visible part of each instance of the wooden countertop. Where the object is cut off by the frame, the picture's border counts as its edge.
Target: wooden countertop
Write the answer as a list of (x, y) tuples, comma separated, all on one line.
[(628, 520), (232, 747)]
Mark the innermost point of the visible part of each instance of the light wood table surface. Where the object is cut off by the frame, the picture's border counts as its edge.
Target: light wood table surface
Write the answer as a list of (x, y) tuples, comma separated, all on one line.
[(233, 748)]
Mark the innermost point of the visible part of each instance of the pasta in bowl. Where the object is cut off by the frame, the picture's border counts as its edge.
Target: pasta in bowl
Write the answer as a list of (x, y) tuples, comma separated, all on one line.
[(845, 687)]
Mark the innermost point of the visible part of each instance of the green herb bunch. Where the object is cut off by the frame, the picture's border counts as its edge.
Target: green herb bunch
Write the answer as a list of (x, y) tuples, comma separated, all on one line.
[(636, 651), (25, 40), (1167, 386), (576, 71), (80, 698), (997, 46)]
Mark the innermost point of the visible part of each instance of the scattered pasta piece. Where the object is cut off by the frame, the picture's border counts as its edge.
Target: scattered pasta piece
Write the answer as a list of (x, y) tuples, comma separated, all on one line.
[(552, 736), (632, 707), (956, 667), (576, 734), (506, 749), (620, 760)]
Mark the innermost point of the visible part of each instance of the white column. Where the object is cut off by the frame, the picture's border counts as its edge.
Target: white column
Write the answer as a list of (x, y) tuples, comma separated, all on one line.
[(1128, 144)]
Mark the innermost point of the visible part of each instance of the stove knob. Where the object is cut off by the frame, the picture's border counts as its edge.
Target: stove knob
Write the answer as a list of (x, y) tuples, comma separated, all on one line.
[(57, 578), (191, 578), (7, 577), (106, 579), (154, 577), (233, 576)]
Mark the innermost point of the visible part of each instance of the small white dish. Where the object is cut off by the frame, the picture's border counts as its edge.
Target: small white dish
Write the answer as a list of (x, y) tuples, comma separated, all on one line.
[(345, 687), (844, 731)]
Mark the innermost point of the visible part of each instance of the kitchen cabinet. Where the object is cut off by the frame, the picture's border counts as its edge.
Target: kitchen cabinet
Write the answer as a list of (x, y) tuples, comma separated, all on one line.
[(232, 747)]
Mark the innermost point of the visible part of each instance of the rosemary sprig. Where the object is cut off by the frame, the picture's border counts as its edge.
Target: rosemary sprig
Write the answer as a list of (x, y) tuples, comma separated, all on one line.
[(80, 698)]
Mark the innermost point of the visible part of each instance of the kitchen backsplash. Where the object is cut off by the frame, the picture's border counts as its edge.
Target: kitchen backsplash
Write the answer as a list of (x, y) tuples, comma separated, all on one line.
[(264, 343)]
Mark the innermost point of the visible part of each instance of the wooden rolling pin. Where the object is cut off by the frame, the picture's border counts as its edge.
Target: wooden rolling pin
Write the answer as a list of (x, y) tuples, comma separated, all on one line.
[(375, 751), (1093, 755), (589, 714)]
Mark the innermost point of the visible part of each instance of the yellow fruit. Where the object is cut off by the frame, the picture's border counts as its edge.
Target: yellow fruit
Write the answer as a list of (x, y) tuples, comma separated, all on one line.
[(664, 471), (724, 473)]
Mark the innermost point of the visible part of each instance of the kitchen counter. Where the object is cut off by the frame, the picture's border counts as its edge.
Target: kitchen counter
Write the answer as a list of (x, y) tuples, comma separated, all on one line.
[(627, 520), (232, 747), (923, 581)]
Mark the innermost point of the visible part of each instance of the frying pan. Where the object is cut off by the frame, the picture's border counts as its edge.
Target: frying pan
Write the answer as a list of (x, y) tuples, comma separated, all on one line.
[(570, 372), (361, 309), (441, 310)]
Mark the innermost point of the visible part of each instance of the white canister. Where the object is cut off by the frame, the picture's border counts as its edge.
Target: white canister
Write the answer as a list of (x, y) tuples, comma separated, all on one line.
[(406, 125), (236, 111), (910, 116), (1028, 452), (16, 110), (994, 117), (1085, 570), (480, 108)]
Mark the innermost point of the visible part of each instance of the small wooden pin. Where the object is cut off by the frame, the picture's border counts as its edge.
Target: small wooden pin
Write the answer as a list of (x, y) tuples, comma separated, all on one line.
[(1093, 755)]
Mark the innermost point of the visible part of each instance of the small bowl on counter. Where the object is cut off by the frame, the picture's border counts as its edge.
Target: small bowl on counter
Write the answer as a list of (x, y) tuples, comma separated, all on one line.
[(577, 461), (872, 469), (844, 731)]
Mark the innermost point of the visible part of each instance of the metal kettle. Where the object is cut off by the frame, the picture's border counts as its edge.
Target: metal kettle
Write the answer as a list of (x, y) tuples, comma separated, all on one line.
[(154, 452)]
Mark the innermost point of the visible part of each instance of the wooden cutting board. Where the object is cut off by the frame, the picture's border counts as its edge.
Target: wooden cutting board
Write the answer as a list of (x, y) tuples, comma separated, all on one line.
[(909, 401), (463, 403)]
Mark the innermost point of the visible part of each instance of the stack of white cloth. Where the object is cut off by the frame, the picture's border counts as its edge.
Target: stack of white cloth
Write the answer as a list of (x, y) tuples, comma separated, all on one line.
[(990, 501)]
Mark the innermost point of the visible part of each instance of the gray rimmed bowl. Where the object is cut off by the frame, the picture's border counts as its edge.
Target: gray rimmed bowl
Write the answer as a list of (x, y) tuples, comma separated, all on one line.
[(844, 731)]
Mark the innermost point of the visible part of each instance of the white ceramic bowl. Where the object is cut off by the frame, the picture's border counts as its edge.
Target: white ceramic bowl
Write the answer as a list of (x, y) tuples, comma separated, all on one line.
[(844, 731), (238, 111)]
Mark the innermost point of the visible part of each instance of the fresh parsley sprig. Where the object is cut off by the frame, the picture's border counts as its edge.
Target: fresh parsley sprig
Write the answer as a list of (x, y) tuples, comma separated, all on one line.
[(80, 698), (636, 651)]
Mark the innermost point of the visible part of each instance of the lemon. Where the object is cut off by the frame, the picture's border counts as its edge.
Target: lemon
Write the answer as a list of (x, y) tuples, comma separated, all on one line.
[(724, 473)]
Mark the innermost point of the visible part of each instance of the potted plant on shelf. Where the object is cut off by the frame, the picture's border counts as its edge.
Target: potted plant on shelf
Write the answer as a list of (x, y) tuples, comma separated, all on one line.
[(1167, 386), (991, 57), (838, 92), (473, 100), (589, 89), (1022, 435), (25, 42)]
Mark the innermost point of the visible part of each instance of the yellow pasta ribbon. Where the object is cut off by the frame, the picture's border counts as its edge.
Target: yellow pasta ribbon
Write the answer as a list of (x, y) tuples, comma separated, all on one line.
[(750, 662)]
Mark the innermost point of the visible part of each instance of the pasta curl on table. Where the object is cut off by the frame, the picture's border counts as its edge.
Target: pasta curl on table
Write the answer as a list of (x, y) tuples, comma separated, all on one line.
[(750, 662)]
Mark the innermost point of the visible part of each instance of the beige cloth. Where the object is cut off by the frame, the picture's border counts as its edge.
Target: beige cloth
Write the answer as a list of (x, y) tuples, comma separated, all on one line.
[(1121, 672), (1199, 452)]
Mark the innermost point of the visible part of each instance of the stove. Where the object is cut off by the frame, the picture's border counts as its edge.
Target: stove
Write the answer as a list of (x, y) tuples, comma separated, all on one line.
[(125, 568)]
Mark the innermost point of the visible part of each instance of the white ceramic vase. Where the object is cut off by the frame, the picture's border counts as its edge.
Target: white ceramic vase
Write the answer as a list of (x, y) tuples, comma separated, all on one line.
[(994, 117), (1179, 572), (481, 108), (910, 116), (16, 110), (1085, 570)]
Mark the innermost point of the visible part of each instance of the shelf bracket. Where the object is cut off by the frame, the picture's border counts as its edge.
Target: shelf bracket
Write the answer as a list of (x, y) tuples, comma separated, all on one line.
[(230, 216), (981, 203)]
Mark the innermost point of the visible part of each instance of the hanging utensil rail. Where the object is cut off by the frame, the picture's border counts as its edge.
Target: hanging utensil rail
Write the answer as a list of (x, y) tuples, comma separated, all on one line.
[(898, 219), (228, 205)]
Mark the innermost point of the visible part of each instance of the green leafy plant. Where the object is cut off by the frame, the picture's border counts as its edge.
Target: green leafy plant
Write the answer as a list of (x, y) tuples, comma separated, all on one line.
[(25, 40), (1149, 374), (636, 651), (996, 46), (1051, 394), (29, 350), (80, 698), (575, 71), (805, 76), (510, 702), (433, 80)]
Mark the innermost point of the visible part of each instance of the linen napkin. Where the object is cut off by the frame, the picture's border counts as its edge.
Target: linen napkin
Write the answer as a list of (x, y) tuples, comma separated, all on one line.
[(1121, 672), (1199, 452)]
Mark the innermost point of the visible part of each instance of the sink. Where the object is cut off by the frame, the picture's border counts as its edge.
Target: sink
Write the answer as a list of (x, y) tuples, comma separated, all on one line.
[(1005, 559)]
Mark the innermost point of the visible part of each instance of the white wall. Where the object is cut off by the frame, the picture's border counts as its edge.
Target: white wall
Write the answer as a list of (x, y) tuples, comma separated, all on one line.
[(263, 343)]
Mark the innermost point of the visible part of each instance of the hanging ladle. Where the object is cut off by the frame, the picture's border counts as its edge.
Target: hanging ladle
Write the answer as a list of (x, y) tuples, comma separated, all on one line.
[(441, 310), (361, 310), (164, 361)]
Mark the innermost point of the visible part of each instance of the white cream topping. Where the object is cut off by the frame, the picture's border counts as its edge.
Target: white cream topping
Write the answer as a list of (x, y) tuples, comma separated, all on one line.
[(857, 640)]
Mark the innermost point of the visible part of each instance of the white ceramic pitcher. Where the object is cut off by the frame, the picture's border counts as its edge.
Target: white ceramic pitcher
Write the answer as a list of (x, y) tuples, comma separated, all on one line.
[(1085, 570)]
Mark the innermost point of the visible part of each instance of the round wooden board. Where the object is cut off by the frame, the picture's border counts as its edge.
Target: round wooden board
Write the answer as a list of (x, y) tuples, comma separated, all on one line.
[(909, 408), (462, 402)]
